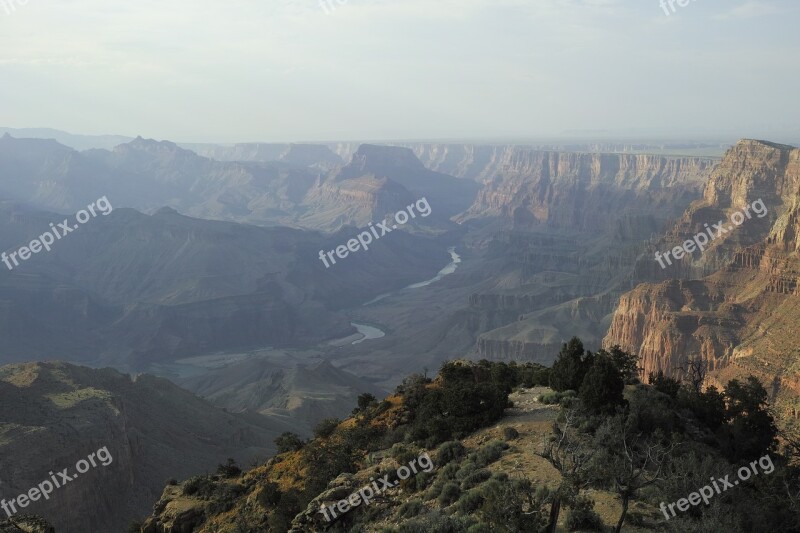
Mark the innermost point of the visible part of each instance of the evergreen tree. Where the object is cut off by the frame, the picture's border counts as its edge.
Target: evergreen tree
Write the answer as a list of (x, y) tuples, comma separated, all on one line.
[(602, 386), (571, 366)]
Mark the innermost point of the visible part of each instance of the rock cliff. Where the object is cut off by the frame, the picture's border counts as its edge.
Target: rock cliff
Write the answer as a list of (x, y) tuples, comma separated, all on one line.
[(735, 305), (570, 228), (588, 192)]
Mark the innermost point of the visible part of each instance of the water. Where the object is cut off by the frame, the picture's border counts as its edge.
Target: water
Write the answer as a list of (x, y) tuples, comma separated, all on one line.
[(369, 332), (446, 271)]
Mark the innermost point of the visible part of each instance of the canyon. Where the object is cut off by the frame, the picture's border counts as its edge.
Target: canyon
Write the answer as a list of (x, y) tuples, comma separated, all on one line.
[(207, 273), (733, 306)]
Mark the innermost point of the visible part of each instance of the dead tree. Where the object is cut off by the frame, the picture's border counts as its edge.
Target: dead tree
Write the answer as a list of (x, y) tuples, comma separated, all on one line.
[(566, 454)]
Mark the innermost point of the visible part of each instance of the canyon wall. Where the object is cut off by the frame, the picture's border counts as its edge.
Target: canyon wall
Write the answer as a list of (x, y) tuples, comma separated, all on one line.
[(568, 228), (735, 305)]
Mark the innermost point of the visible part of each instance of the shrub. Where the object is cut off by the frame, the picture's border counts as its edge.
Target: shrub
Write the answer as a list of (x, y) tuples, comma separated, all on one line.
[(410, 509), (270, 495), (552, 398), (636, 518), (450, 493), (490, 452), (325, 428), (288, 442), (224, 498), (475, 478), (449, 451), (434, 490), (288, 507), (468, 467), (582, 515), (510, 433), (450, 471), (468, 396), (418, 482), (365, 401), (438, 522), (229, 469), (383, 406), (500, 476), (200, 486), (403, 454), (508, 506), (470, 501), (665, 384), (568, 402)]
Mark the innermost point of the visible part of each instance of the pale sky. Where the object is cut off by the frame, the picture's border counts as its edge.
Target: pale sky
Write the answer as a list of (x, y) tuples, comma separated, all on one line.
[(287, 70)]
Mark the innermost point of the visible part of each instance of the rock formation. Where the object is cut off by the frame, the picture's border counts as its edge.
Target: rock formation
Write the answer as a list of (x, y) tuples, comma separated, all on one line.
[(734, 305)]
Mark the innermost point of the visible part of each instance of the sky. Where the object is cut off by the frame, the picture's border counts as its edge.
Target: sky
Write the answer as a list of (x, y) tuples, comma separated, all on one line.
[(308, 70)]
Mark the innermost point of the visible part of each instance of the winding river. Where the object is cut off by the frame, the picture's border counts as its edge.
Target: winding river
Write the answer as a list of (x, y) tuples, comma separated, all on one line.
[(371, 332)]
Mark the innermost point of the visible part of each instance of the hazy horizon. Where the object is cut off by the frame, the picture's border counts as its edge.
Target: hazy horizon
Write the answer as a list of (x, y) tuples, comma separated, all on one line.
[(370, 70)]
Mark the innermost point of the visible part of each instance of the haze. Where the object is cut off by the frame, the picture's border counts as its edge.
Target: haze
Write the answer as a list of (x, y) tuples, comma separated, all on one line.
[(247, 70)]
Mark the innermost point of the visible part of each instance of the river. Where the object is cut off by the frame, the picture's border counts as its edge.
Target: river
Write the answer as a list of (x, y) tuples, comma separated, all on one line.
[(371, 332), (446, 271)]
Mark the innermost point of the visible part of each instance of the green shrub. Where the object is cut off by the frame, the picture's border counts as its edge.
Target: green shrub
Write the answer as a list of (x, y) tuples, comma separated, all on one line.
[(450, 493), (479, 528), (467, 468), (438, 522), (500, 476), (288, 442), (410, 509), (553, 398), (200, 486), (403, 454), (270, 495), (582, 515), (449, 451), (325, 428), (510, 433), (636, 518), (568, 402), (549, 398), (450, 471), (475, 478), (470, 501), (490, 452), (434, 490), (418, 482), (224, 498), (229, 469)]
